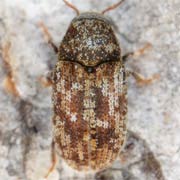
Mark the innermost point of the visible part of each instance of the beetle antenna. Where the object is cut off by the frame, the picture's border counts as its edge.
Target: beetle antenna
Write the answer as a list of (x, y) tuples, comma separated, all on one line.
[(72, 6), (112, 7)]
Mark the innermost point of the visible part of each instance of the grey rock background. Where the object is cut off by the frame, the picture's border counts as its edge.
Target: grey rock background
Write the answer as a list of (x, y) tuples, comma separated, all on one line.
[(153, 145)]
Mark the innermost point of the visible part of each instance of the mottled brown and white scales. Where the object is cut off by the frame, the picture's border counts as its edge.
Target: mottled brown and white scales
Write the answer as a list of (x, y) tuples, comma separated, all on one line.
[(90, 93)]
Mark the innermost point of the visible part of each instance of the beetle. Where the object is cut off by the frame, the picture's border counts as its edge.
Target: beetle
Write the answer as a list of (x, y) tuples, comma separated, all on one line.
[(90, 93)]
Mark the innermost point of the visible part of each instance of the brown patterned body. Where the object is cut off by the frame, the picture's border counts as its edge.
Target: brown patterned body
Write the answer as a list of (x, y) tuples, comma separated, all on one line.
[(89, 95)]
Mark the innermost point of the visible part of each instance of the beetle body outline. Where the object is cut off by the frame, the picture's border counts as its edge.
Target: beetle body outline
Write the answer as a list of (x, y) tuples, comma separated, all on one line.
[(89, 94)]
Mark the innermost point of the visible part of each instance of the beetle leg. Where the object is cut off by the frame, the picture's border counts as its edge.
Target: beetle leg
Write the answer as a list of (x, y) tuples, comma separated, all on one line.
[(46, 81), (136, 53), (48, 36), (142, 80), (53, 160), (9, 82), (72, 7), (112, 7)]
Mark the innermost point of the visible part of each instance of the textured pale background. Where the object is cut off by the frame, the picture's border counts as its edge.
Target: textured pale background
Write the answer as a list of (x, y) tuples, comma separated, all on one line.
[(154, 111)]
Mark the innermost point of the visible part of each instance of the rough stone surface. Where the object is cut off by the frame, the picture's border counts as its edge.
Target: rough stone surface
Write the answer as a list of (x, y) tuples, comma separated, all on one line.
[(152, 150)]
